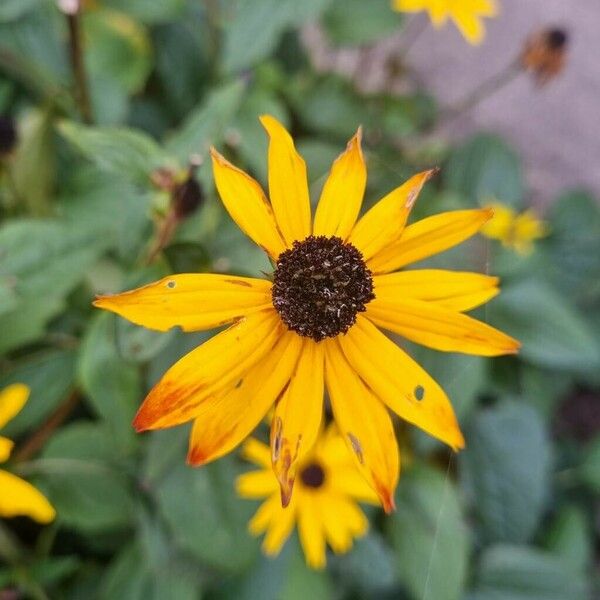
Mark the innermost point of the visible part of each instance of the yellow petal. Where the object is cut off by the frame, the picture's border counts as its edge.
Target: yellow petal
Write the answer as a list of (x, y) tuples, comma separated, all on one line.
[(440, 328), (246, 203), (400, 382), (12, 400), (310, 528), (288, 184), (365, 425), (343, 192), (297, 417), (258, 453), (454, 290), (342, 520), (209, 369), (20, 498), (6, 447), (386, 220), (190, 301), (279, 530), (262, 517), (257, 484), (428, 237), (223, 422), (469, 24)]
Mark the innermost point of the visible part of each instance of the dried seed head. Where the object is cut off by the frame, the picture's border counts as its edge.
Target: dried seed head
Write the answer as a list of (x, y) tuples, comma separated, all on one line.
[(545, 54), (187, 197), (320, 285)]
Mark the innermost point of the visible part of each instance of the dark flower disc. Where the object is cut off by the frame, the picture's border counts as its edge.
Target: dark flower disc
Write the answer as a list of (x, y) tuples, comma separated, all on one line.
[(313, 475), (320, 285)]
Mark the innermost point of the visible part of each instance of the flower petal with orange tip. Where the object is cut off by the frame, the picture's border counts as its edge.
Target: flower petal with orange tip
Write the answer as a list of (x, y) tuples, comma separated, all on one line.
[(429, 237), (247, 205), (223, 422), (400, 382), (454, 290), (385, 222), (191, 301), (288, 183), (297, 417), (365, 425), (209, 369), (12, 400), (343, 192), (439, 328), (19, 498)]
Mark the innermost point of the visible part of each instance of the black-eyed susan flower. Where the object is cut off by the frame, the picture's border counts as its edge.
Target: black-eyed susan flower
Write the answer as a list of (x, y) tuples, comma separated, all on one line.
[(324, 505), (314, 322), (516, 231), (17, 497), (466, 14)]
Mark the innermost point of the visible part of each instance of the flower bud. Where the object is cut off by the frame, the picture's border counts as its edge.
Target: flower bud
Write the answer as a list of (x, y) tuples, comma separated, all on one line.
[(544, 54)]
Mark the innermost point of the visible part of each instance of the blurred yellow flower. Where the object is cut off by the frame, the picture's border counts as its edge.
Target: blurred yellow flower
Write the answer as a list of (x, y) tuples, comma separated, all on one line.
[(315, 322), (515, 231), (324, 506), (17, 497), (466, 14)]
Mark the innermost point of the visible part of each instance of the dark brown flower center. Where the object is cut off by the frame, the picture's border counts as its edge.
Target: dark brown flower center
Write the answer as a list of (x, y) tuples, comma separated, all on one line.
[(313, 475), (320, 285)]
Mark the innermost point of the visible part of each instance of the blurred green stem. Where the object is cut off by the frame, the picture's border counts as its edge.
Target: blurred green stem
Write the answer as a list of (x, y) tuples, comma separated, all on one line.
[(78, 65), (488, 88)]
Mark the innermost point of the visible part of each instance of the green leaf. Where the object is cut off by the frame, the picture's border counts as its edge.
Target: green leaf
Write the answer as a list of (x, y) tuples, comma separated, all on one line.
[(590, 468), (356, 22), (485, 168), (553, 334), (117, 48), (507, 467), (33, 167), (206, 517), (86, 490), (128, 153), (50, 377), (572, 246), (187, 257), (206, 124), (429, 535), (522, 573), (149, 11), (126, 577), (112, 386), (11, 10), (243, 47), (569, 539)]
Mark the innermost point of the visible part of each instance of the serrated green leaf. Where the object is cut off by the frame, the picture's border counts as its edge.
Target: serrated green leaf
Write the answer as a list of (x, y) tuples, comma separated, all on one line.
[(206, 517), (206, 125), (552, 333), (429, 535), (522, 573), (129, 153), (243, 47), (112, 386), (49, 376), (485, 168), (356, 22), (507, 467)]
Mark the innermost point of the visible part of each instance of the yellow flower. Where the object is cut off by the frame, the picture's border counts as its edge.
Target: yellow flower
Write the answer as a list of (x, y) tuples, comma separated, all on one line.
[(17, 497), (315, 323), (466, 14), (324, 502), (515, 231)]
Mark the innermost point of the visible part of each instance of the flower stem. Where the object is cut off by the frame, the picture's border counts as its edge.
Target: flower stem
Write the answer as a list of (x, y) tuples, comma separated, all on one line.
[(82, 94)]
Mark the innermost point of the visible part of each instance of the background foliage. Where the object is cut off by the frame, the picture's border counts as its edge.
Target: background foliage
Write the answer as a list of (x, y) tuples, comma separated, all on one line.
[(513, 517)]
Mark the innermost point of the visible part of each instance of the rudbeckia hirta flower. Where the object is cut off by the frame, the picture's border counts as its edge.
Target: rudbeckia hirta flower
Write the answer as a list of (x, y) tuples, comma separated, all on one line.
[(315, 322), (516, 231), (323, 507), (17, 497), (466, 14)]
